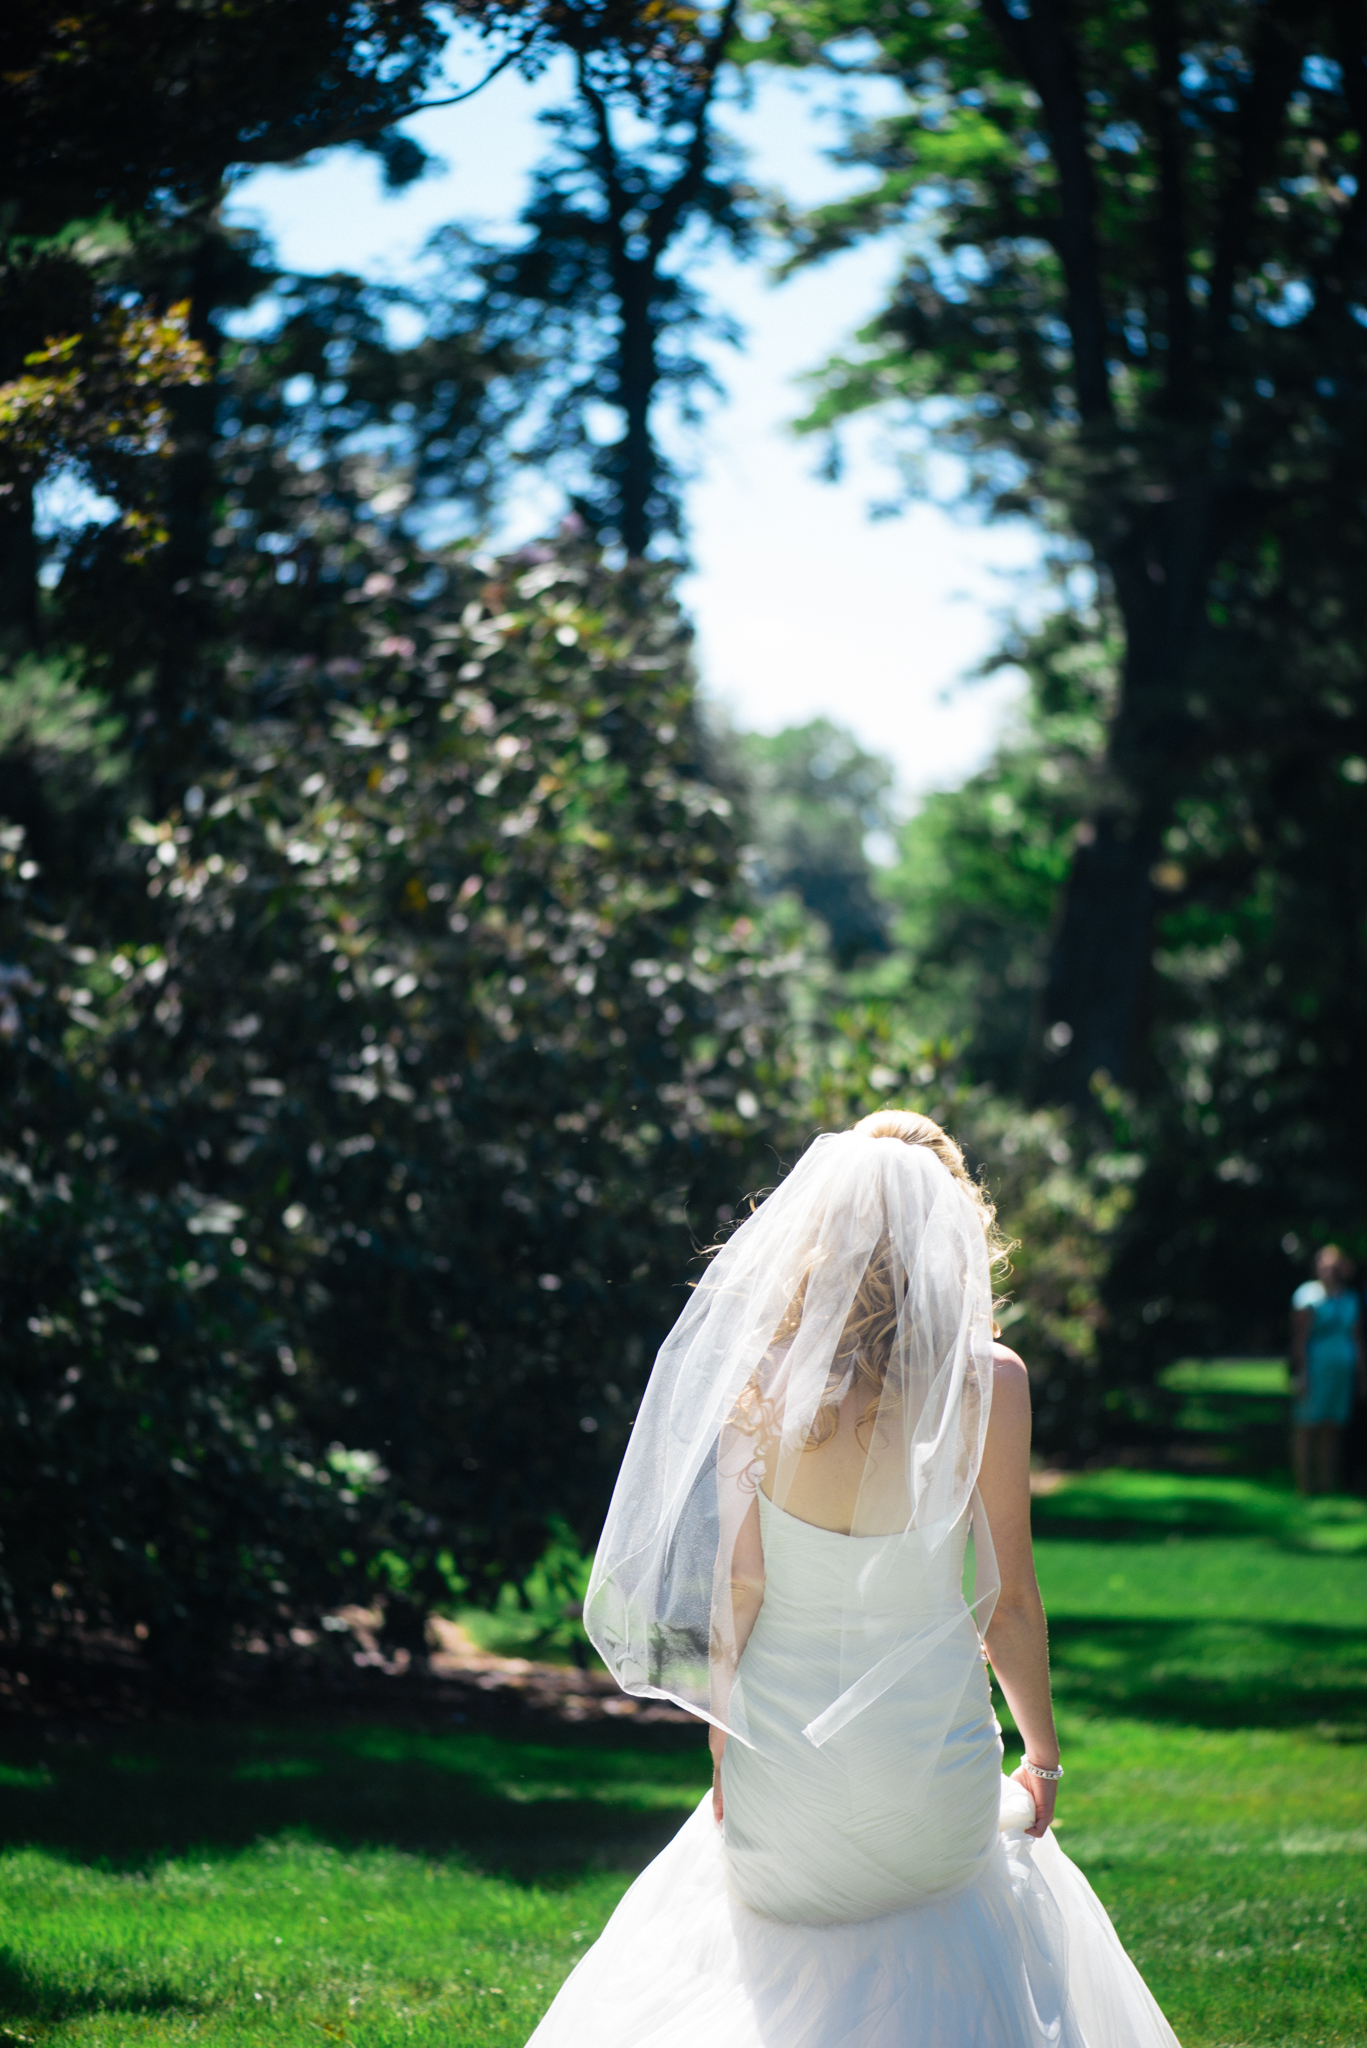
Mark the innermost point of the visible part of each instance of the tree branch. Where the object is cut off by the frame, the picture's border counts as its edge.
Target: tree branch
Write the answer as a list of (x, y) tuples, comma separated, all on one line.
[(1341, 275), (456, 99), (614, 191), (360, 129), (665, 217), (1165, 20), (1278, 50), (1045, 51), (636, 280)]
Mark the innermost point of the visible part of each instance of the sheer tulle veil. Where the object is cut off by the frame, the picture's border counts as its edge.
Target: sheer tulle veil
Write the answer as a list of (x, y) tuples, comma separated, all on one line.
[(864, 1279)]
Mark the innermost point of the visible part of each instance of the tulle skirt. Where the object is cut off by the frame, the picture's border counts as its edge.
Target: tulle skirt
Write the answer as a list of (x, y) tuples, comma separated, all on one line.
[(873, 1891), (1023, 1956)]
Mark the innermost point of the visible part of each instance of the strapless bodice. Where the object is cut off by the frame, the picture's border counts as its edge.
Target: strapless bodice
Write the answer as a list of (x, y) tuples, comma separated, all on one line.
[(902, 1803), (825, 1572)]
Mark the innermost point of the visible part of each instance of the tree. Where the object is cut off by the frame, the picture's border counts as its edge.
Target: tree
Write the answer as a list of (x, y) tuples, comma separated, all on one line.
[(153, 1474), (616, 224), (432, 418), (1242, 1154), (976, 887), (1133, 297), (409, 1044), (124, 121), (499, 986), (813, 797), (134, 103), (126, 113), (1254, 1139), (286, 1210)]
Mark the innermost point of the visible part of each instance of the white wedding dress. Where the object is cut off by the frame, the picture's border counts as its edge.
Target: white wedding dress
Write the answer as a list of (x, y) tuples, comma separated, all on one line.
[(878, 1891)]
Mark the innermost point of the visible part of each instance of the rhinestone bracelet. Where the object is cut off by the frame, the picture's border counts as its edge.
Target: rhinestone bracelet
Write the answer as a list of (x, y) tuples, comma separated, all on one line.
[(1038, 1770)]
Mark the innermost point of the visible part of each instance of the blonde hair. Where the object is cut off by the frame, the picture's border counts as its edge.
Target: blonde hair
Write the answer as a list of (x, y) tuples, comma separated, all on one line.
[(864, 1352)]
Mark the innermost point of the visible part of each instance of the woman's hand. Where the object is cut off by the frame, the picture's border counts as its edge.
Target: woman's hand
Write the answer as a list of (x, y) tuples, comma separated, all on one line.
[(717, 1742), (1044, 1792)]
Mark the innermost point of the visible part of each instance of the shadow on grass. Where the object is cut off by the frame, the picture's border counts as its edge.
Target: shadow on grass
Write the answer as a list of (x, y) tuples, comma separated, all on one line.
[(29, 1999), (545, 1807), (1134, 1507), (534, 1811), (1215, 1674)]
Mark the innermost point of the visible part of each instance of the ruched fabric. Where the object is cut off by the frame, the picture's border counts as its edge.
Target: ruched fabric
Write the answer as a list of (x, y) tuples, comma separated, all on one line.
[(900, 1805), (875, 1891)]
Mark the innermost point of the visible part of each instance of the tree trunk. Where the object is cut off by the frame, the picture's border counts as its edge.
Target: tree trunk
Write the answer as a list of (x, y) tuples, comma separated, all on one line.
[(1096, 990), (18, 574), (638, 373), (1098, 965)]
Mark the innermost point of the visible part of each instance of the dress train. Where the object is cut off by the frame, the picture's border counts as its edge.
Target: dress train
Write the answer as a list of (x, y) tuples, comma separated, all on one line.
[(876, 1890), (1023, 1957)]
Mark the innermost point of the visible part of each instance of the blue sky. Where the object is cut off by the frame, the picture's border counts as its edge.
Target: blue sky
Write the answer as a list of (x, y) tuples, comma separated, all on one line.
[(803, 604)]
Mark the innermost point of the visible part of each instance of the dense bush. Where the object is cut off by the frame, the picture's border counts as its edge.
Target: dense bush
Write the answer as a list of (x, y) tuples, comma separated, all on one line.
[(443, 1028), (153, 1474)]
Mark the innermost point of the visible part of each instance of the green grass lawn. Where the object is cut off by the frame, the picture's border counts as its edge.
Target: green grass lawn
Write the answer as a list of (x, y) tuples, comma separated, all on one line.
[(311, 1881)]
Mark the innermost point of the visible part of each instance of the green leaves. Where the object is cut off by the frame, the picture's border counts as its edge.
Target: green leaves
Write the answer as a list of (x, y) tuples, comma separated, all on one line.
[(90, 395), (428, 1050)]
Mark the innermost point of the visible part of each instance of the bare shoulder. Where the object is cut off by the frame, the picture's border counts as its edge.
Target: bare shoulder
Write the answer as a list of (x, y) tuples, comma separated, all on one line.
[(1010, 1377), (1005, 1471), (1008, 1365)]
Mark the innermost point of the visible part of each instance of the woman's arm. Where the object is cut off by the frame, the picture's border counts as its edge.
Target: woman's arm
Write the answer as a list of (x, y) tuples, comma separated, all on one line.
[(1017, 1642), (1302, 1322), (747, 1597)]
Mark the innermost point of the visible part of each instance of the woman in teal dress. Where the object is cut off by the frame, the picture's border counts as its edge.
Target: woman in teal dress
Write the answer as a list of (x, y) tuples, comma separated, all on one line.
[(1328, 1364)]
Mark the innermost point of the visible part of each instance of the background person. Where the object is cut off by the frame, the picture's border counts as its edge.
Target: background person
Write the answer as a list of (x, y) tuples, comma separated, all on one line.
[(1328, 1365), (1353, 1471)]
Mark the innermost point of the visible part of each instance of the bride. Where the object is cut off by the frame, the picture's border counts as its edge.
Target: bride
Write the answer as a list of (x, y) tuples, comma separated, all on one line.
[(828, 1430)]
